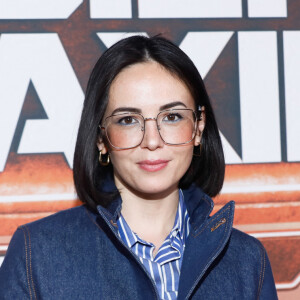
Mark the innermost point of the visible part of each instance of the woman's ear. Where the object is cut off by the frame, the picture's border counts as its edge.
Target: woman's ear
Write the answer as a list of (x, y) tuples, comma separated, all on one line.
[(200, 127), (101, 146)]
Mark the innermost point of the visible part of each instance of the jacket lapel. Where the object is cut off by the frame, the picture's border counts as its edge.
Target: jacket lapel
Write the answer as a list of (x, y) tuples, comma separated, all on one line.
[(204, 244)]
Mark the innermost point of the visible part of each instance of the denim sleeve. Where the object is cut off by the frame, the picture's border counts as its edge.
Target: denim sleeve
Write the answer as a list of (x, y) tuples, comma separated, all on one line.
[(267, 287), (15, 271)]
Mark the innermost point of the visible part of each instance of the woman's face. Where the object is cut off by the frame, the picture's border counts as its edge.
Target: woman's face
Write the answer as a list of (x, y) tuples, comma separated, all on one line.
[(152, 168)]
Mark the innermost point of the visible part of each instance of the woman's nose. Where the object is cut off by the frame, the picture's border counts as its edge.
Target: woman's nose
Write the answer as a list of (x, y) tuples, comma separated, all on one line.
[(152, 139)]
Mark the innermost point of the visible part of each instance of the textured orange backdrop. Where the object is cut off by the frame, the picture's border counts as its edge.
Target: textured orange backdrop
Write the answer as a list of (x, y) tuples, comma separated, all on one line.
[(35, 185)]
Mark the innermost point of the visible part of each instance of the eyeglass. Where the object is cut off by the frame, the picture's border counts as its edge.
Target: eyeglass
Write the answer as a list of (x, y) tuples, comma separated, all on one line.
[(127, 130)]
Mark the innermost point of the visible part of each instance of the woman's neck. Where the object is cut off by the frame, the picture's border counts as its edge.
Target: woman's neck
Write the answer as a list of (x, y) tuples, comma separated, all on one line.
[(151, 217)]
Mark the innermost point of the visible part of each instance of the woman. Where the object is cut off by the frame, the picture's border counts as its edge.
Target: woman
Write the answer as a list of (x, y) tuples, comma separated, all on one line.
[(144, 231)]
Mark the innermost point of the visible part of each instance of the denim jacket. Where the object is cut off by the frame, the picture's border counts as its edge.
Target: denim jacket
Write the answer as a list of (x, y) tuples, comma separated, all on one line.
[(77, 254)]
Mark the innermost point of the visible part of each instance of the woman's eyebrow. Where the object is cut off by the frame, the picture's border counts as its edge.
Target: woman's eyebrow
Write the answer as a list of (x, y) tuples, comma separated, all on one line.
[(126, 109), (137, 110), (172, 104)]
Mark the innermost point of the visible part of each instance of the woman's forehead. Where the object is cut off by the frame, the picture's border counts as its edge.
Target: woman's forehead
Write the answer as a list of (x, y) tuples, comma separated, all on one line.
[(148, 86)]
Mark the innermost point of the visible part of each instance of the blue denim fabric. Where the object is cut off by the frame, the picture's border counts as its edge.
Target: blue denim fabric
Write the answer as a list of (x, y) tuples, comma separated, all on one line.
[(77, 254)]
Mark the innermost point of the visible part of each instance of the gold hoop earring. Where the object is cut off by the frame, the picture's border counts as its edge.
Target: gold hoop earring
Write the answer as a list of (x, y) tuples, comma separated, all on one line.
[(103, 163), (200, 151)]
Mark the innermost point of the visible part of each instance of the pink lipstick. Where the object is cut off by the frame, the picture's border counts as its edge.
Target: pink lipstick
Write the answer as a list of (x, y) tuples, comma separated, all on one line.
[(153, 165)]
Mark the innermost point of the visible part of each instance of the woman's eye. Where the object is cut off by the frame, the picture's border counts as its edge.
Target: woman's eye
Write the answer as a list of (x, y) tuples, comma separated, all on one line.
[(127, 120), (172, 117)]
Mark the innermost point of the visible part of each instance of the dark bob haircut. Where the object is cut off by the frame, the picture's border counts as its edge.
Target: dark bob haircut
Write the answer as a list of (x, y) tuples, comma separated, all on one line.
[(92, 180)]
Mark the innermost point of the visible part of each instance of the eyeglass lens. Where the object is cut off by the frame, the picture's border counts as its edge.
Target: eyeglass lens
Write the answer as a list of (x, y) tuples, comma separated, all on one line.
[(126, 130)]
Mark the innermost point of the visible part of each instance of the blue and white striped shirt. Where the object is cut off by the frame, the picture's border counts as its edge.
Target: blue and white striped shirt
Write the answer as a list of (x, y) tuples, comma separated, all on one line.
[(165, 267)]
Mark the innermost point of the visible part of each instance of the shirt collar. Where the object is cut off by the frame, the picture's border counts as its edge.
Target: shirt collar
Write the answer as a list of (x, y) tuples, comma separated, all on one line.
[(179, 223)]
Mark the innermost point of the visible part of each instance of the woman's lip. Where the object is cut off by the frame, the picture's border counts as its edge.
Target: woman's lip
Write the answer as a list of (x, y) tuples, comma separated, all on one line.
[(152, 162), (153, 165)]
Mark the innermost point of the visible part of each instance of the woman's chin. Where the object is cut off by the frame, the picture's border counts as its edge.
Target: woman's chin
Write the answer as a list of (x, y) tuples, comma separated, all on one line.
[(154, 190)]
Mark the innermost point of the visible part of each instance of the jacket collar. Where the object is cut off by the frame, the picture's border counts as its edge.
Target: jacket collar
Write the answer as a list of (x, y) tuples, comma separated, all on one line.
[(198, 204), (113, 210), (205, 243)]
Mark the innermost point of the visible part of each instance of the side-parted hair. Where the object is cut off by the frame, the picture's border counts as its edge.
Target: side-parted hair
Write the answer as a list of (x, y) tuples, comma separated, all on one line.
[(90, 177)]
